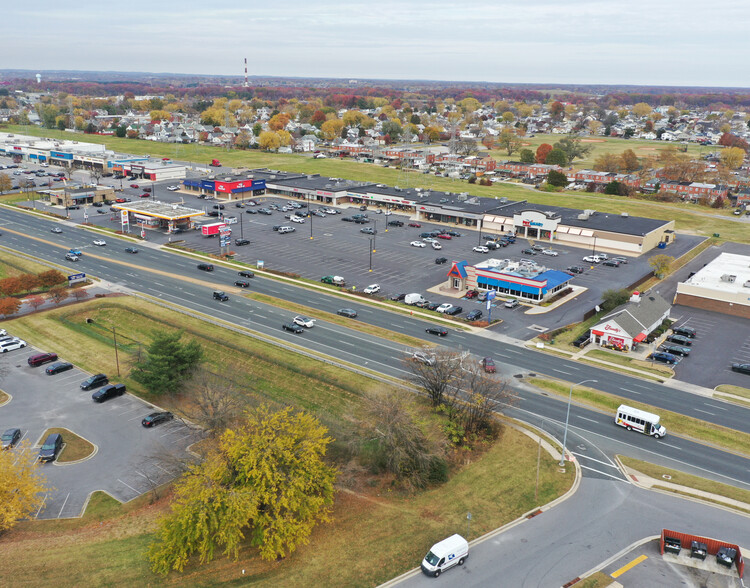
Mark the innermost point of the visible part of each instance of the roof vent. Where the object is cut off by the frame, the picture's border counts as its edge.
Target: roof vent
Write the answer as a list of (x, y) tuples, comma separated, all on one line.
[(729, 278)]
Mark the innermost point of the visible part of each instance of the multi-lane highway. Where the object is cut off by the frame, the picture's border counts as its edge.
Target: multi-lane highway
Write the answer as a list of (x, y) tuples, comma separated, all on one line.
[(174, 278)]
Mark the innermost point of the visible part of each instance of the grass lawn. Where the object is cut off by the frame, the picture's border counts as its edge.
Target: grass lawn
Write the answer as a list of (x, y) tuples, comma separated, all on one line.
[(595, 580), (735, 390), (677, 477), (689, 217), (106, 547), (622, 370), (675, 423), (3, 397), (74, 447), (624, 360), (15, 265)]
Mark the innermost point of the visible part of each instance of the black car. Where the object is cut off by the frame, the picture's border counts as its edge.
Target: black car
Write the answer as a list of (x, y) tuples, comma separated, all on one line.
[(397, 297), (246, 274), (743, 368), (108, 392), (239, 205), (263, 211), (726, 556), (680, 340), (439, 331), (218, 206), (454, 310), (395, 223), (56, 368), (242, 284), (276, 227), (94, 381), (212, 213), (10, 438), (51, 447), (294, 328), (432, 305), (528, 251), (240, 242), (684, 331), (453, 233), (675, 349), (576, 269), (348, 312), (347, 219), (612, 262), (441, 260), (251, 211), (156, 417), (583, 340), (131, 250), (206, 267), (101, 212), (474, 315), (221, 296), (361, 221)]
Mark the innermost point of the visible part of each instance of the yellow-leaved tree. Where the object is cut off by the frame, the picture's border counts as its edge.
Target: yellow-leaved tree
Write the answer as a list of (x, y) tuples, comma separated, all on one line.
[(266, 480), (22, 486)]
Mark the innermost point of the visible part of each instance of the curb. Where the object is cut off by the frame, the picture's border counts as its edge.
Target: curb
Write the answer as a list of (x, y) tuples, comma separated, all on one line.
[(619, 554)]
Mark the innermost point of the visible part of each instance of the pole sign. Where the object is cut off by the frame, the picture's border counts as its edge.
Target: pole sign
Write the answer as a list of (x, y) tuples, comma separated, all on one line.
[(490, 297), (73, 278)]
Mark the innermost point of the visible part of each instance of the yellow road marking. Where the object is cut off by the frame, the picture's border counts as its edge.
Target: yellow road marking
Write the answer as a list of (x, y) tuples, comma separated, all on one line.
[(626, 567)]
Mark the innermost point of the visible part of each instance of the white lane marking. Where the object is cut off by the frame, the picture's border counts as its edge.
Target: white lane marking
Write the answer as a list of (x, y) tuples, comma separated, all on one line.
[(587, 419), (631, 391), (580, 455), (41, 506), (704, 411), (561, 372), (602, 473), (669, 445), (714, 406), (63, 506), (128, 485)]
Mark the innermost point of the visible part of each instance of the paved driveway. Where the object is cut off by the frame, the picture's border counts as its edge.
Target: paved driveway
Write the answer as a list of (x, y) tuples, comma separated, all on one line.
[(123, 464)]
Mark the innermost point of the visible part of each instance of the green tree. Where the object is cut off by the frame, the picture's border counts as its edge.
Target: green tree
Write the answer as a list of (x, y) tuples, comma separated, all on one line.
[(556, 157), (556, 178), (168, 362), (616, 188), (571, 146), (121, 132), (509, 140), (613, 298), (266, 480), (527, 156), (22, 486), (392, 129), (661, 264)]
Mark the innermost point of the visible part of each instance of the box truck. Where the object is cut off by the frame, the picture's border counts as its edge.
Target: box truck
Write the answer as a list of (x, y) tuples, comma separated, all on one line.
[(212, 229), (448, 553)]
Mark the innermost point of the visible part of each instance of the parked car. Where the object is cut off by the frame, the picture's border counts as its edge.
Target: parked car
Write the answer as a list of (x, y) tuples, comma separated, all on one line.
[(480, 249), (435, 330), (417, 244), (441, 260), (304, 321), (453, 233), (528, 251), (94, 381), (471, 294), (512, 303), (592, 259), (41, 359), (474, 315), (241, 242), (415, 225), (107, 392), (488, 365), (742, 368), (347, 312), (611, 263), (685, 332), (12, 345), (550, 252), (680, 340), (51, 447), (56, 368), (444, 307), (156, 418), (368, 231), (372, 289), (10, 438), (664, 357), (206, 267), (675, 349), (576, 269), (398, 297), (454, 310), (432, 305), (395, 223), (135, 186), (293, 327), (436, 246), (445, 236)]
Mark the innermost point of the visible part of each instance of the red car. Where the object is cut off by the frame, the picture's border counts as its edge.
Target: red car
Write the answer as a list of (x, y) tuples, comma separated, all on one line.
[(488, 365), (444, 236), (133, 185), (417, 225), (471, 294), (120, 200), (145, 195)]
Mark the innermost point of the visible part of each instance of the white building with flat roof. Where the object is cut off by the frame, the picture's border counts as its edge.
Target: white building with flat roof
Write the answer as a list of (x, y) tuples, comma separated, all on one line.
[(723, 285)]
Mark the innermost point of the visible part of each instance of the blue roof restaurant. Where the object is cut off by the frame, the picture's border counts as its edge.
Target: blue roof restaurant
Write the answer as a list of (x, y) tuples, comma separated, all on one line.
[(525, 280)]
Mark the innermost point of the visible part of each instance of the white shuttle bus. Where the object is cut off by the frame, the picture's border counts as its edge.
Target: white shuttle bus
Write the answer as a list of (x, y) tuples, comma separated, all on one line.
[(644, 422)]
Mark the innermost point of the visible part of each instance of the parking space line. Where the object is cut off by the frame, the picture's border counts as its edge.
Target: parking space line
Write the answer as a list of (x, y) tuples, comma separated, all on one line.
[(63, 506), (626, 567), (41, 506), (129, 486)]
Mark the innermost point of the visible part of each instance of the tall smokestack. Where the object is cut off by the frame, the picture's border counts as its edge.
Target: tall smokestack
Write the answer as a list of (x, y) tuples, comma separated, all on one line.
[(246, 72)]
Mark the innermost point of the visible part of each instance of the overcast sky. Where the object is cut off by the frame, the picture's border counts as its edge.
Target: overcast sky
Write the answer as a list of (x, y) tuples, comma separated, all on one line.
[(667, 42)]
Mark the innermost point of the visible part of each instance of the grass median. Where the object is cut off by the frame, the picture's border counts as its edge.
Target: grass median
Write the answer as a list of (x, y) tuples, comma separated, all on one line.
[(675, 423), (618, 358), (75, 447)]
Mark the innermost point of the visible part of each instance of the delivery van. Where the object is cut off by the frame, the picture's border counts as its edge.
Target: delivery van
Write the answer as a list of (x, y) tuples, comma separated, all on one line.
[(412, 299), (449, 552)]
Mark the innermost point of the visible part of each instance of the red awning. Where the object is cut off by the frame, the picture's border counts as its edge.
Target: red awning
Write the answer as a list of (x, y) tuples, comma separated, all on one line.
[(640, 337)]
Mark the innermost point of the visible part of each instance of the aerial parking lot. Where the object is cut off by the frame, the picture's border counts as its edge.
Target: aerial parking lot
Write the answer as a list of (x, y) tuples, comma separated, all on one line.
[(126, 459)]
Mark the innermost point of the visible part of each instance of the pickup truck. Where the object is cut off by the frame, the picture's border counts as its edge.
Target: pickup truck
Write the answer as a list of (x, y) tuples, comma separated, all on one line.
[(335, 280)]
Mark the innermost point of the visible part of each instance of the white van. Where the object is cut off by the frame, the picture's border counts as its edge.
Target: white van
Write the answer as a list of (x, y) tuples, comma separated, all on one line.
[(644, 422), (449, 552), (412, 299)]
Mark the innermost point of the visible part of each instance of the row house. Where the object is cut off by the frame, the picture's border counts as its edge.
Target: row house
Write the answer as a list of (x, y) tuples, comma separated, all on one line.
[(476, 162), (696, 190), (525, 170), (588, 176)]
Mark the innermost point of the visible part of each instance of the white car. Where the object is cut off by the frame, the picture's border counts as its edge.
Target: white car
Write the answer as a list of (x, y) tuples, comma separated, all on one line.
[(304, 321), (592, 258), (12, 345), (417, 244), (173, 188), (436, 245), (296, 219), (286, 208), (481, 249), (430, 240), (551, 252), (100, 242), (388, 213), (372, 289), (444, 307)]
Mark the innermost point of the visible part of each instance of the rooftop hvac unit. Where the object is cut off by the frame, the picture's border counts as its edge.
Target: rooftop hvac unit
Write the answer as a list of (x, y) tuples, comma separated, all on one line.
[(746, 284), (583, 216), (729, 278), (589, 212), (397, 188), (462, 196)]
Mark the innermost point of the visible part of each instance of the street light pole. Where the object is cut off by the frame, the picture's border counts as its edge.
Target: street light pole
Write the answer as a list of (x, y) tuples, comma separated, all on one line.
[(309, 214), (117, 359), (567, 416), (371, 250)]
